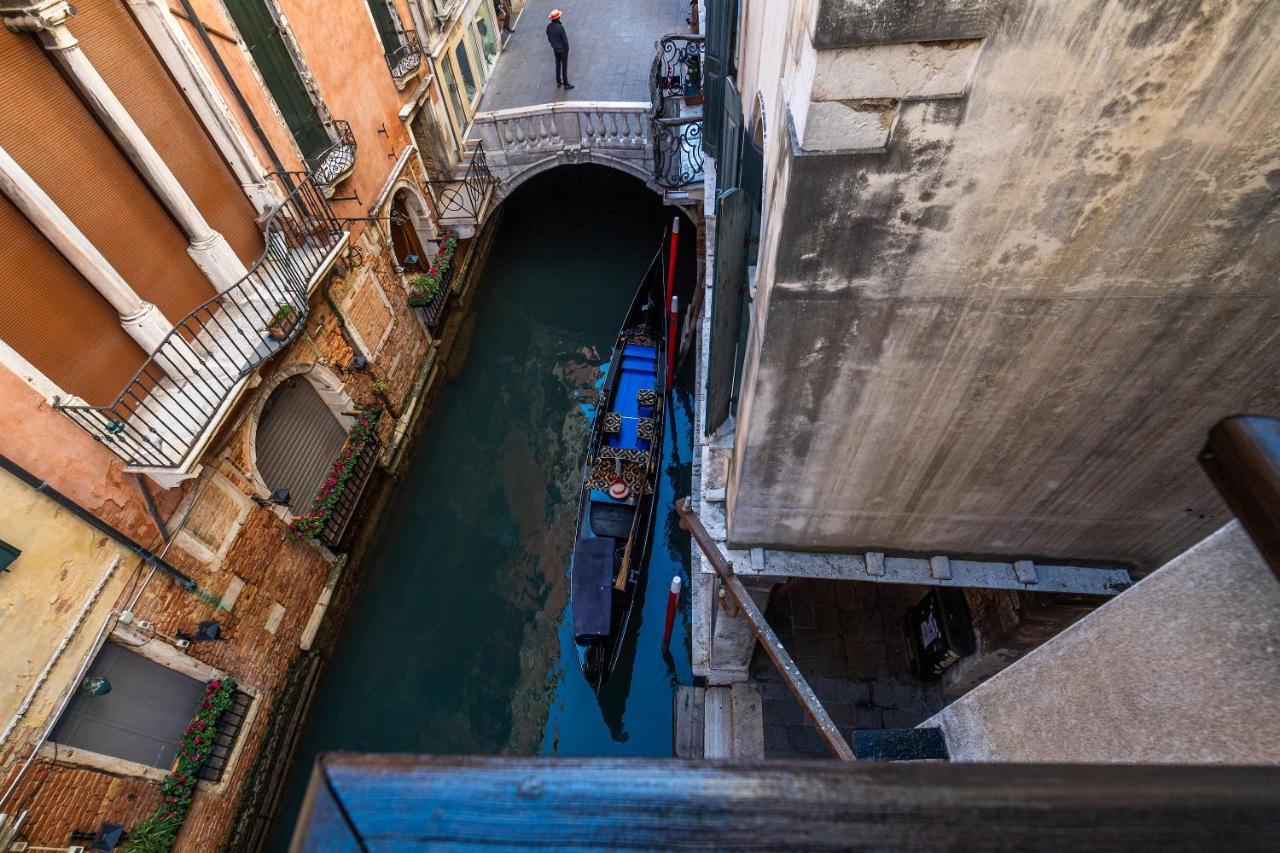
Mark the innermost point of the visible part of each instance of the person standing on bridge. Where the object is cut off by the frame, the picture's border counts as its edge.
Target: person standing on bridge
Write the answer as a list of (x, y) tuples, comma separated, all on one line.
[(560, 46)]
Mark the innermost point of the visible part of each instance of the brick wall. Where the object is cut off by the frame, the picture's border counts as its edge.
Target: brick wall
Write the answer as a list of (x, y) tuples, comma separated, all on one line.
[(227, 543)]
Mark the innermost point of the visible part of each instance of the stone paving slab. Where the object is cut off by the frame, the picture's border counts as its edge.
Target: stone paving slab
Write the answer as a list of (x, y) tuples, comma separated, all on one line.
[(848, 641), (611, 46)]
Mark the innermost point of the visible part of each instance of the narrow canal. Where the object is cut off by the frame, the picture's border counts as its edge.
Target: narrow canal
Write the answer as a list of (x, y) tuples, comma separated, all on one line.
[(459, 640)]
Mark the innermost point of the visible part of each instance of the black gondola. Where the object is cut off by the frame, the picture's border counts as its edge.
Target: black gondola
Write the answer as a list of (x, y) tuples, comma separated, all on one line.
[(619, 483)]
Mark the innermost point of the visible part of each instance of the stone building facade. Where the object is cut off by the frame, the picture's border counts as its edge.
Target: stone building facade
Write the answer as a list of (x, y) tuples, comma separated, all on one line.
[(209, 286), (982, 276)]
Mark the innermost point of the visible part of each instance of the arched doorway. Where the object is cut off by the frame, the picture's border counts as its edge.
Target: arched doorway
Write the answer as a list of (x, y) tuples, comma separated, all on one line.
[(410, 233), (298, 437)]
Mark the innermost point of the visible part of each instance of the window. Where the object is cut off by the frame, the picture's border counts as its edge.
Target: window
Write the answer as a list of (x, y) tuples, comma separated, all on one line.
[(485, 32), (388, 27), (140, 718), (464, 68), (265, 42), (8, 554), (451, 83)]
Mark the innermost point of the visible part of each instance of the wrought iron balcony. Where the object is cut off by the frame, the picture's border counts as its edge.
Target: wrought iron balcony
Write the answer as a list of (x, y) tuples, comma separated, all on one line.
[(171, 407), (338, 160), (677, 72), (463, 202), (676, 88), (405, 60), (677, 151)]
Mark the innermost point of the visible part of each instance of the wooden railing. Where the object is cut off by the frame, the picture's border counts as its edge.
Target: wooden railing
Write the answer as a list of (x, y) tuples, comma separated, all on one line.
[(733, 587)]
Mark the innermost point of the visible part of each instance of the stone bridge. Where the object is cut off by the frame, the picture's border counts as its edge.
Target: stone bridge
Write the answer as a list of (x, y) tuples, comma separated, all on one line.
[(522, 141)]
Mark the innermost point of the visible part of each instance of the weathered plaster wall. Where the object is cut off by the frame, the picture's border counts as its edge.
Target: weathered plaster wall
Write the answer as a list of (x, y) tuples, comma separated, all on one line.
[(1102, 690), (50, 446), (1010, 331), (62, 586)]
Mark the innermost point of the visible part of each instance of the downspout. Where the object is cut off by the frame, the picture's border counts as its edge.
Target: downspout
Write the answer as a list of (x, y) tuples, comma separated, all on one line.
[(93, 521), (235, 90)]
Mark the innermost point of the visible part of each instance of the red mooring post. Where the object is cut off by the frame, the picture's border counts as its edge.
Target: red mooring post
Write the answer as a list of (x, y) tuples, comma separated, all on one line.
[(671, 302), (672, 600)]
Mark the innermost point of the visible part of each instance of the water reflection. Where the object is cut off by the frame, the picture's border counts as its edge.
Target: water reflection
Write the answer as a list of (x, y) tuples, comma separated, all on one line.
[(459, 639)]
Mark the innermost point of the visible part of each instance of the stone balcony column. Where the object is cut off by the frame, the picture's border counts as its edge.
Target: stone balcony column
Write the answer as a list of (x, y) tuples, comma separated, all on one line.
[(143, 321), (47, 19)]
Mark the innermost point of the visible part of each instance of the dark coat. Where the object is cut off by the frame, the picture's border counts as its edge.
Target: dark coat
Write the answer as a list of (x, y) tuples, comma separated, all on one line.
[(558, 37)]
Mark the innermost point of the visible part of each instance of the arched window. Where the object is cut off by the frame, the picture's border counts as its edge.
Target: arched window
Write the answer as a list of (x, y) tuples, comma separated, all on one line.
[(407, 219), (298, 438)]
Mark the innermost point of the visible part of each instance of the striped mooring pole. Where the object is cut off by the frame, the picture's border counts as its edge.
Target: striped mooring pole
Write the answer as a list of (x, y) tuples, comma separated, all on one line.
[(673, 598)]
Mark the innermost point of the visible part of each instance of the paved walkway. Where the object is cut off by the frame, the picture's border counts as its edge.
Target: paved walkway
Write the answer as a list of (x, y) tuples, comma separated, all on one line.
[(611, 46), (848, 640)]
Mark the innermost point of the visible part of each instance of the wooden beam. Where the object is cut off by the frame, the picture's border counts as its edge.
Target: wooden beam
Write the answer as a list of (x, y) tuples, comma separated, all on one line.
[(1242, 458), (409, 803), (768, 639)]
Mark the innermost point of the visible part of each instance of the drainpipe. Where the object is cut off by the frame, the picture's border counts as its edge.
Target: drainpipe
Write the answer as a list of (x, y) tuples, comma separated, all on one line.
[(93, 521)]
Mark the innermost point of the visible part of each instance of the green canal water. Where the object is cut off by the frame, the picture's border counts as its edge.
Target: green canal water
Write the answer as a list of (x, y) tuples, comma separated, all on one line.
[(459, 639)]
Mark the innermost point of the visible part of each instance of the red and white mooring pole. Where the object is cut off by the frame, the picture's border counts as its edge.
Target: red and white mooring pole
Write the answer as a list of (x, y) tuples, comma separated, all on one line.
[(673, 599)]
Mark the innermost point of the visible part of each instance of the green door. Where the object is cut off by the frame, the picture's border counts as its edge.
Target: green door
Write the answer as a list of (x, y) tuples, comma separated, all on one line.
[(266, 45), (388, 31)]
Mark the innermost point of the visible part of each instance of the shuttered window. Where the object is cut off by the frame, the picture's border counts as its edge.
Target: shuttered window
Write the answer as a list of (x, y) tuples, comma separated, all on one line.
[(266, 45), (388, 28), (721, 44), (8, 554)]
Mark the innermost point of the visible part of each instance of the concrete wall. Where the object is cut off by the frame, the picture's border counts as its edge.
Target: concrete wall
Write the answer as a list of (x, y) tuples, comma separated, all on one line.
[(1007, 328), (1184, 667)]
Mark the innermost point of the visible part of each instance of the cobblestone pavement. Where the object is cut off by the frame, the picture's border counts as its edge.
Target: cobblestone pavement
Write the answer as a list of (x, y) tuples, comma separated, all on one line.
[(611, 45), (847, 638)]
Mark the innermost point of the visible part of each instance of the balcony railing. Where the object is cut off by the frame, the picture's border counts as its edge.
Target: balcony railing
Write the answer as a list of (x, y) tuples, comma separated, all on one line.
[(464, 200), (180, 393), (349, 498), (407, 58), (677, 151), (338, 160), (677, 71), (676, 89)]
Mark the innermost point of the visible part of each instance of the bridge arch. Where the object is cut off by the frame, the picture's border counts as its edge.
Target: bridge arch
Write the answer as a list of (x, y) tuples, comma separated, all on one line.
[(526, 141)]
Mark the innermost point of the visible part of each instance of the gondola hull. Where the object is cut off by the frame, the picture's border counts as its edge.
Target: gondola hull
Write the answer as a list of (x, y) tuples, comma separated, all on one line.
[(620, 484)]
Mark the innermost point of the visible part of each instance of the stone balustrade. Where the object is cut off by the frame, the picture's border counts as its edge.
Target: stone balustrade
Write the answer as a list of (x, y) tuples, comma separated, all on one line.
[(524, 141)]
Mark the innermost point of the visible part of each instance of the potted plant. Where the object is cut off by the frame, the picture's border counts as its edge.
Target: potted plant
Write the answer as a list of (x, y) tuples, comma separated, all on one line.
[(282, 322), (426, 288), (693, 81)]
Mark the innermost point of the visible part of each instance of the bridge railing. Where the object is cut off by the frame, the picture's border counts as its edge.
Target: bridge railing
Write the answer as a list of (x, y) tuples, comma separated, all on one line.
[(522, 136)]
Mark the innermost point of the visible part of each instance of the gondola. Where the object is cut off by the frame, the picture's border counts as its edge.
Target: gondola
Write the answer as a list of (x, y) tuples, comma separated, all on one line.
[(619, 483)]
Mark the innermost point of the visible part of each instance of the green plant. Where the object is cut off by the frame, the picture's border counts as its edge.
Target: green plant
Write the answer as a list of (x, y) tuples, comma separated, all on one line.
[(157, 832), (283, 313), (322, 505), (427, 285), (379, 387)]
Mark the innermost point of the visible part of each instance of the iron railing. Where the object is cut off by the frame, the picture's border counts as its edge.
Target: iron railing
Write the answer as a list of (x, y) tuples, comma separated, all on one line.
[(676, 91), (335, 162), (433, 309), (340, 519), (677, 151), (464, 197), (407, 58), (677, 71), (172, 401)]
